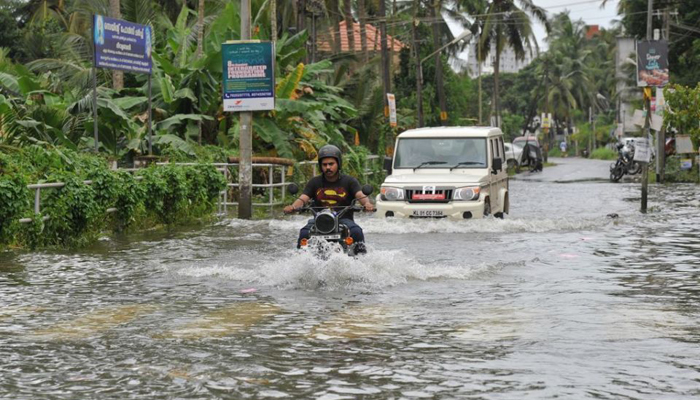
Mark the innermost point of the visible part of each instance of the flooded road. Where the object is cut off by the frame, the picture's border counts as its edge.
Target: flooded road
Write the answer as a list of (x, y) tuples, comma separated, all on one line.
[(556, 301)]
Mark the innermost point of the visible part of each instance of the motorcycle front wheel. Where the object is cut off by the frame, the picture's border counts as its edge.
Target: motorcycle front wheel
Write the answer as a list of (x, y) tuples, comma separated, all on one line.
[(616, 173)]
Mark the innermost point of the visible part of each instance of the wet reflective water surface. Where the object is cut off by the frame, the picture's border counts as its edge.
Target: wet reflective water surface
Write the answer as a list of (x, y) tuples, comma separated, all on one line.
[(555, 301)]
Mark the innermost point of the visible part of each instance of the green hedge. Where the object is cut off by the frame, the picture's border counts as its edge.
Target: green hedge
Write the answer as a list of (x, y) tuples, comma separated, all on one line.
[(604, 153), (674, 172), (167, 194)]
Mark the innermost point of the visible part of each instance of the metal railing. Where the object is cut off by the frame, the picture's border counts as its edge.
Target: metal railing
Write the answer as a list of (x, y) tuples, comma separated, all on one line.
[(223, 203), (271, 185), (53, 185)]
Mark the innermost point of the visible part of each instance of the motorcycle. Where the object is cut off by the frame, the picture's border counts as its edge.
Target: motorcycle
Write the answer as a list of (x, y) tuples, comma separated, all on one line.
[(327, 226), (531, 157), (625, 163)]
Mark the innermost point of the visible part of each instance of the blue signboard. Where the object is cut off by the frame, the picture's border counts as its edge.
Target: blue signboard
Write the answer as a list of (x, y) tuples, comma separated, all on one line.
[(249, 76), (122, 45)]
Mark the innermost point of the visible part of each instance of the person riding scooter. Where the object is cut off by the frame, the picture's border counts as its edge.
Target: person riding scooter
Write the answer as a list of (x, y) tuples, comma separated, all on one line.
[(332, 189)]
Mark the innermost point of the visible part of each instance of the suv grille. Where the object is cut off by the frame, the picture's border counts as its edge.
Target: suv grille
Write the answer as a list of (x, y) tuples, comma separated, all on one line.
[(410, 193)]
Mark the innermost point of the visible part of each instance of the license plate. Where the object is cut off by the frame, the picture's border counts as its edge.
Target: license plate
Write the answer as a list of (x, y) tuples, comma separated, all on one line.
[(429, 196), (328, 237), (427, 213)]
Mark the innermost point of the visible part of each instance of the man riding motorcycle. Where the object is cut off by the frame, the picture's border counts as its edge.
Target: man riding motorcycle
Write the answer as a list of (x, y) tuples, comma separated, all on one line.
[(332, 189)]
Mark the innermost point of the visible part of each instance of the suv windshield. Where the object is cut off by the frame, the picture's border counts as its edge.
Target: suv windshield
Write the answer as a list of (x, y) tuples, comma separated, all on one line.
[(412, 152)]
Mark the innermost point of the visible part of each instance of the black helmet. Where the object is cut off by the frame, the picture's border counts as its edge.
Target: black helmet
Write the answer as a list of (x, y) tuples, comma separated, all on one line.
[(330, 151)]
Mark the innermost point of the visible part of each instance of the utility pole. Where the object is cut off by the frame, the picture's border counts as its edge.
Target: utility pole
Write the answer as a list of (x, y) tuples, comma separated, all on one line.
[(385, 57), (419, 66), (438, 63), (313, 37), (661, 139), (273, 20), (647, 120), (117, 76), (301, 25), (363, 33), (245, 167), (478, 61), (546, 107)]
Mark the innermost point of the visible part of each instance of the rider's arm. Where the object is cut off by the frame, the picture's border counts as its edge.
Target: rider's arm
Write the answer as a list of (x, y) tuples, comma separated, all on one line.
[(364, 200), (300, 202)]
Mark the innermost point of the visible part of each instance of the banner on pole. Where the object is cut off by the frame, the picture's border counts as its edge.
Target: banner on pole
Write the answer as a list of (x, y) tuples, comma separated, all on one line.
[(642, 150), (652, 63), (249, 76), (121, 45), (391, 99), (546, 120)]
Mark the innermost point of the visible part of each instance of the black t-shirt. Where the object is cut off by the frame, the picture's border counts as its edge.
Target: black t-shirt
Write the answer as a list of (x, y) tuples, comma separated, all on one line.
[(333, 194)]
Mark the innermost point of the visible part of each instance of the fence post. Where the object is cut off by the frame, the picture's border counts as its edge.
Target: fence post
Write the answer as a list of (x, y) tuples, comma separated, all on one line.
[(37, 201), (284, 183)]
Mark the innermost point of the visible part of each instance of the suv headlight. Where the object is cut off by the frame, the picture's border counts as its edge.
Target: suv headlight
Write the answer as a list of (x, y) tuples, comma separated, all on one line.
[(468, 193), (391, 193)]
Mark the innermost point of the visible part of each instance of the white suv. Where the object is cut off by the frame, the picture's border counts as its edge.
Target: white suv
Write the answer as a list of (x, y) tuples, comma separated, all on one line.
[(447, 172)]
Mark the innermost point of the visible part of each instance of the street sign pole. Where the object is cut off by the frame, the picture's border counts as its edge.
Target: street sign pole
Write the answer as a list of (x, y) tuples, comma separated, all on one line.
[(245, 167), (647, 120)]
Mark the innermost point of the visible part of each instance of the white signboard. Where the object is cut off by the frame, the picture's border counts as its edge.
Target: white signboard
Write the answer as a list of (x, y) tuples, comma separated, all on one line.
[(684, 145), (391, 99), (642, 150)]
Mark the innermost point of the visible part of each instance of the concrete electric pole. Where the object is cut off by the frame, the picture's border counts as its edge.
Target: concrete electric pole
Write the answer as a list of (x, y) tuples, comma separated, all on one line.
[(245, 167)]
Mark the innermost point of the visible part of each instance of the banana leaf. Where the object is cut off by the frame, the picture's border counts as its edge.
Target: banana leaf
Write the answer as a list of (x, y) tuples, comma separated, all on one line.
[(270, 133), (178, 119)]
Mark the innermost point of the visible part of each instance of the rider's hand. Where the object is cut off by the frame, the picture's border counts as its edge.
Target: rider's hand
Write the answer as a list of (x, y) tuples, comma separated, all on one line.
[(369, 207), (288, 210)]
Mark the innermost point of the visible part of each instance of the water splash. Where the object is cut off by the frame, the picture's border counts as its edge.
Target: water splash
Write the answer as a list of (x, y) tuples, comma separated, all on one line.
[(303, 269)]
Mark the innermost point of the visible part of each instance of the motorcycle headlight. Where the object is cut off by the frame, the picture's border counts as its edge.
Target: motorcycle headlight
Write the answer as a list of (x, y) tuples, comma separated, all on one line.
[(469, 193), (325, 223), (391, 193)]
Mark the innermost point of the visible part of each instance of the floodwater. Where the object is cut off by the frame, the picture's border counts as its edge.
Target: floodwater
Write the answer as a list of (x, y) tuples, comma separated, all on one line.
[(555, 301)]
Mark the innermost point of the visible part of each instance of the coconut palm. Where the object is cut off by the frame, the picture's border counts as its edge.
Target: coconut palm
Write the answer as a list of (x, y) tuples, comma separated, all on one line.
[(500, 24)]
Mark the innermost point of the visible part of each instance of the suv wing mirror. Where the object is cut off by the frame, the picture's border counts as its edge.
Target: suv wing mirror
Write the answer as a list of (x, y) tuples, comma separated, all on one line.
[(496, 165), (387, 165)]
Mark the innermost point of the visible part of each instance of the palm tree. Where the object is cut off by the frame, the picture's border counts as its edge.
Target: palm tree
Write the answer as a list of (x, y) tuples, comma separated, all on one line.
[(501, 24), (117, 76)]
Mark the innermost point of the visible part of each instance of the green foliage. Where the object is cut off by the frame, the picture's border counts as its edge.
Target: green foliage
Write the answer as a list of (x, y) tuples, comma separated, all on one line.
[(14, 198), (604, 153), (674, 172), (683, 111), (554, 152), (129, 200), (75, 214), (512, 126)]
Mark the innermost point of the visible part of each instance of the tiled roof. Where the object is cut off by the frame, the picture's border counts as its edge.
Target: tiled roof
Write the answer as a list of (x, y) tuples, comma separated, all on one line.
[(373, 39)]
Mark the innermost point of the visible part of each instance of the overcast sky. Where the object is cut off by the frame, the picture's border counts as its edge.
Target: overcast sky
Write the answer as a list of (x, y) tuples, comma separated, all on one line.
[(587, 10)]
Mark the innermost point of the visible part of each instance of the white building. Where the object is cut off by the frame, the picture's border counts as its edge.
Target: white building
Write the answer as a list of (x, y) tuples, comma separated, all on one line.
[(508, 61)]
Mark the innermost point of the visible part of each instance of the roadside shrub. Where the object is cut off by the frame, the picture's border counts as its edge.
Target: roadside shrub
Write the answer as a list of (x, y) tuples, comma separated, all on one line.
[(77, 212), (675, 174), (554, 152), (75, 215), (129, 200), (14, 198), (604, 153)]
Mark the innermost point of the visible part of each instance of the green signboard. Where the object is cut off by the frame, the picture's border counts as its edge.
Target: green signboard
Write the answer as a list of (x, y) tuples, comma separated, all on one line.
[(249, 76)]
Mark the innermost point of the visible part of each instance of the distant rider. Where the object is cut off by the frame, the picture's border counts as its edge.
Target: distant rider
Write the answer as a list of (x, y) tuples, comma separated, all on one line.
[(332, 189)]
